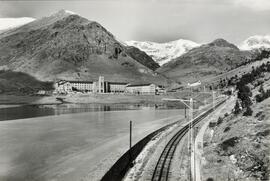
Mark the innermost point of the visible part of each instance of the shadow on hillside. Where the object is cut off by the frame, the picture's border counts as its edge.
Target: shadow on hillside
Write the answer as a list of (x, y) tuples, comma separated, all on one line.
[(19, 84)]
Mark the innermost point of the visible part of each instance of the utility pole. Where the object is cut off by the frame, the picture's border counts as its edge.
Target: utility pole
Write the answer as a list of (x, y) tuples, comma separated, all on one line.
[(130, 143), (214, 97), (185, 111), (190, 135), (204, 96), (130, 134), (192, 170)]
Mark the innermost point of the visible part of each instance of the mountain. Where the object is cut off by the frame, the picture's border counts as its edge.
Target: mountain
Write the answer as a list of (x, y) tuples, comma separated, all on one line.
[(205, 61), (19, 82), (164, 52), (68, 46), (256, 42), (40, 23), (8, 23), (142, 57)]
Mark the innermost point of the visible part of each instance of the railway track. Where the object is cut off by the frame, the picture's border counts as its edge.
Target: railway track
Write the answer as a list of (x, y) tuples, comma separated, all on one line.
[(161, 172)]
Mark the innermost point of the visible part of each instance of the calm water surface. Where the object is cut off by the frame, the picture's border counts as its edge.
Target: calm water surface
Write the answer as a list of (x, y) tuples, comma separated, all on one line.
[(54, 143), (29, 111), (71, 147)]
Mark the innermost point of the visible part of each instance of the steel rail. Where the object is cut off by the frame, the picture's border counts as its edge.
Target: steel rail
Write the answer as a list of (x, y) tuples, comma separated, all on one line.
[(162, 169)]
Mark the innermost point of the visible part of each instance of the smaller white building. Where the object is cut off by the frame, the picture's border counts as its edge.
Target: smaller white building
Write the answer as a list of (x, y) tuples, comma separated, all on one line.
[(160, 89), (62, 86)]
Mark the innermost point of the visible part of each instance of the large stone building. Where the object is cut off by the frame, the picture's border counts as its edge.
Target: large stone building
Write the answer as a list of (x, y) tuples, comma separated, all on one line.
[(149, 89), (117, 87), (82, 86), (102, 86), (99, 86)]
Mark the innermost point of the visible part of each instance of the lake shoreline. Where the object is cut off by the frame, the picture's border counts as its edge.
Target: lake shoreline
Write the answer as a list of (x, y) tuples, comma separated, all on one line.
[(21, 107), (19, 100)]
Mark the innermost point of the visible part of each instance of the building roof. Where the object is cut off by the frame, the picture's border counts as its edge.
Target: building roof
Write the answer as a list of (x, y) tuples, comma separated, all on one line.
[(119, 83), (72, 81), (161, 86), (61, 82), (138, 85), (75, 81)]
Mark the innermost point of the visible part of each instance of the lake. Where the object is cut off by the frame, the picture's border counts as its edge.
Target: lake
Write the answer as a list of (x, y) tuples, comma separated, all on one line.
[(68, 147)]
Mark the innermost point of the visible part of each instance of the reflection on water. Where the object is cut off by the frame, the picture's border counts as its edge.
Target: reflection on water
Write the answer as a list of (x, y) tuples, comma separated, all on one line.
[(29, 111)]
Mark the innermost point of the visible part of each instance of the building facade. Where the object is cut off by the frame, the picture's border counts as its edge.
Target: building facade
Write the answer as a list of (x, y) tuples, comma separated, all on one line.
[(62, 86), (117, 87), (147, 89), (100, 86), (160, 90), (82, 86)]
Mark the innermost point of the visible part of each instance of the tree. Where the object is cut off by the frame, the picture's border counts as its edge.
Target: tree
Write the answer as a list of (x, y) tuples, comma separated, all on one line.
[(261, 90), (244, 95), (259, 98), (237, 108), (246, 102), (248, 111), (220, 120)]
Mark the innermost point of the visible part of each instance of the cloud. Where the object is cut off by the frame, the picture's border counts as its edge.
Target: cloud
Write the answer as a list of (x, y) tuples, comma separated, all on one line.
[(257, 5)]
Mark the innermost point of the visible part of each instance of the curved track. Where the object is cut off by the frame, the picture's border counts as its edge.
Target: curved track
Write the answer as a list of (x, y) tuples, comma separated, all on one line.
[(162, 168)]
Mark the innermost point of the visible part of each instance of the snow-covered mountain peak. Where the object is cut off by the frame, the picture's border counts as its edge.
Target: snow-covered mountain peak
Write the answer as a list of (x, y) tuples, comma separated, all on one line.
[(69, 12), (62, 13), (256, 42), (164, 52)]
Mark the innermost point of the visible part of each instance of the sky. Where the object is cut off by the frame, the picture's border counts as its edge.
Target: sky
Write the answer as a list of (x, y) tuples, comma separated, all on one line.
[(201, 21)]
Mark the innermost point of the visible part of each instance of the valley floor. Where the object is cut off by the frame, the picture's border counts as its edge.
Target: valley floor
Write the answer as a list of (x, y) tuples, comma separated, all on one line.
[(12, 100)]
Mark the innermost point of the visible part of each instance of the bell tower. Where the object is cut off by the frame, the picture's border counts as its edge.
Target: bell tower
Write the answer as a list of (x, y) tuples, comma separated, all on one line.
[(101, 84)]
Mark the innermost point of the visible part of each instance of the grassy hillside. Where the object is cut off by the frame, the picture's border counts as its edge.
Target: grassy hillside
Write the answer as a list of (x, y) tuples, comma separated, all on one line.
[(237, 144), (18, 82), (205, 62), (239, 148)]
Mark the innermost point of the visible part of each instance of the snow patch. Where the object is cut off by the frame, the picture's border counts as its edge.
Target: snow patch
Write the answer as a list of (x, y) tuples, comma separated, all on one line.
[(69, 12), (164, 52), (256, 42)]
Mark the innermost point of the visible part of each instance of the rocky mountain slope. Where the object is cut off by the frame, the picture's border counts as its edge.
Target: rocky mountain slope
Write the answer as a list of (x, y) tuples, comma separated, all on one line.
[(164, 52), (256, 42), (237, 144), (205, 61), (239, 147), (142, 57), (68, 46)]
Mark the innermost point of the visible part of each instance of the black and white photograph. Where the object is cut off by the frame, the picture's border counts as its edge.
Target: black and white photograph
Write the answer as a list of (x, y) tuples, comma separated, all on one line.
[(134, 90)]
